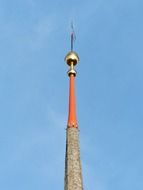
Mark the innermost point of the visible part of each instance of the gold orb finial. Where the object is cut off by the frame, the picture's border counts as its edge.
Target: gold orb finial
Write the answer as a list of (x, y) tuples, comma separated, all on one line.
[(72, 58)]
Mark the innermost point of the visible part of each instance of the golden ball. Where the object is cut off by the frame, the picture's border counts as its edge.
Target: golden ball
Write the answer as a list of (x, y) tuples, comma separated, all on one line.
[(72, 57)]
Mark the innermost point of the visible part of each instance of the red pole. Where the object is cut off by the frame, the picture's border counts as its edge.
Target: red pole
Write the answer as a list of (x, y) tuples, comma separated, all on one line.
[(72, 121)]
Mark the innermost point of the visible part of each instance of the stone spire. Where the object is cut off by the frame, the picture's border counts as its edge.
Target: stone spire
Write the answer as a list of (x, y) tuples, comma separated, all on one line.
[(73, 172)]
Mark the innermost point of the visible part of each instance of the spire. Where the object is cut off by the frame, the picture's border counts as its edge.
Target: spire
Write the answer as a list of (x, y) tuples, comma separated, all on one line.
[(73, 171), (72, 59)]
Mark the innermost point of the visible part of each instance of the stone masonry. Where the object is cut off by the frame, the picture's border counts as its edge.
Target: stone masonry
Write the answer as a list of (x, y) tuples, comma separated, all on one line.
[(73, 173)]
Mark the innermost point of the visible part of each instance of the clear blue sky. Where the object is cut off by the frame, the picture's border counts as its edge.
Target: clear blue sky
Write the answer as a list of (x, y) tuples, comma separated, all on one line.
[(34, 38)]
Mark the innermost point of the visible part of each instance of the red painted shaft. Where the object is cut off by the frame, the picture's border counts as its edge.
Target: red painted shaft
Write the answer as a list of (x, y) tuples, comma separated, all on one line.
[(72, 121)]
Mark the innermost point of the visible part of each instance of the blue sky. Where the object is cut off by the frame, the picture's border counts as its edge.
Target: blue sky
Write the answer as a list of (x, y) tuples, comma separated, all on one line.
[(34, 39)]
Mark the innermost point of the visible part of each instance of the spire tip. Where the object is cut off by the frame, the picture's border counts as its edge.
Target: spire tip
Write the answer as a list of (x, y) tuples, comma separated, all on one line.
[(73, 36)]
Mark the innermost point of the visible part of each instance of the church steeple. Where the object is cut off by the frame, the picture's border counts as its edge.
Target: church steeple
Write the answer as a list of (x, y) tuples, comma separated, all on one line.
[(73, 172)]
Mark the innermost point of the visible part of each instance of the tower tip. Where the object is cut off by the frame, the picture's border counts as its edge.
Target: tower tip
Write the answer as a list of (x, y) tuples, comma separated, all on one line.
[(73, 36), (72, 57)]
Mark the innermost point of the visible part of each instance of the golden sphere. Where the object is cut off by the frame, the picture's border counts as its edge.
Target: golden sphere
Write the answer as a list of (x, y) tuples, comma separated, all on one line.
[(71, 58)]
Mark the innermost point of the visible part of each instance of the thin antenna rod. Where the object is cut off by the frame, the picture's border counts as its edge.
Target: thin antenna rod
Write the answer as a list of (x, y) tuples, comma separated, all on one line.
[(72, 36)]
